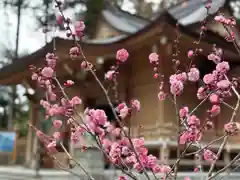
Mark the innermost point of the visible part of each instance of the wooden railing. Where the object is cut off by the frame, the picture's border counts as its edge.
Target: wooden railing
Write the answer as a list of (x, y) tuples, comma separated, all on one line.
[(154, 132), (169, 131)]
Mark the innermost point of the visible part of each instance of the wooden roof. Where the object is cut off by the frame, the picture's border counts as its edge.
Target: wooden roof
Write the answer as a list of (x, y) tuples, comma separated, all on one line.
[(123, 21), (16, 72)]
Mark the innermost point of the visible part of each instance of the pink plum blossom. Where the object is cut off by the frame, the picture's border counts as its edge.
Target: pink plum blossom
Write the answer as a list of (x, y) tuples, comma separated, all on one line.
[(193, 75), (166, 169), (121, 106), (208, 79), (138, 167), (215, 58), (162, 96), (125, 151), (223, 84), (74, 52), (69, 83), (223, 67), (219, 18), (57, 135), (34, 76), (176, 87), (178, 77), (40, 134), (52, 96), (136, 104), (60, 19), (51, 147), (109, 75), (153, 58), (209, 155), (201, 93), (109, 127), (183, 112), (57, 123), (75, 101), (190, 54), (157, 169), (124, 112), (122, 55), (47, 72), (232, 128), (51, 60), (116, 132), (215, 110), (193, 121), (156, 75), (98, 116), (214, 98), (224, 20), (79, 28), (122, 178)]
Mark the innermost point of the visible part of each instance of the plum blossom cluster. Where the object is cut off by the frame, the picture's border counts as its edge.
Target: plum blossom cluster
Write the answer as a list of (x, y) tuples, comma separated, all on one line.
[(216, 84), (123, 110), (232, 128), (177, 81), (216, 55), (216, 88), (192, 133), (154, 61), (224, 20), (120, 153), (122, 56), (116, 145), (209, 155), (79, 26), (53, 104), (227, 22)]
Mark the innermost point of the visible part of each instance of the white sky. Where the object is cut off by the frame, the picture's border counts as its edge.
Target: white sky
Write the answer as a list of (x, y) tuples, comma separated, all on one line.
[(128, 6), (30, 39)]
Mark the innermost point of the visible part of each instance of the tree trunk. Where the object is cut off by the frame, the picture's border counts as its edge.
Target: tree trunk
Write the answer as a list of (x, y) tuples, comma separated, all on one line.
[(12, 109)]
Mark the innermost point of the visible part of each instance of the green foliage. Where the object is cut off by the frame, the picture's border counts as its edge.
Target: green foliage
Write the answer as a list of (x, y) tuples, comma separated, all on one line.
[(92, 15), (22, 123)]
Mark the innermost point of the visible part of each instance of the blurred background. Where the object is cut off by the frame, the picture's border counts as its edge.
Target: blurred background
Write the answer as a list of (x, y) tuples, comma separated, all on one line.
[(27, 25)]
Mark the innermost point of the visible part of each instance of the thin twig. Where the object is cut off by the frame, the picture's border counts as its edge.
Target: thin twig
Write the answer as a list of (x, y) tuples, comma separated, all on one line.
[(179, 133), (64, 168), (228, 105), (206, 146), (225, 168), (70, 158), (225, 138)]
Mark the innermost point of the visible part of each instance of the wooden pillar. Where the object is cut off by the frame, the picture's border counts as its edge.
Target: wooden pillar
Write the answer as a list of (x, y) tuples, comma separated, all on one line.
[(29, 145), (34, 149), (164, 152), (226, 157), (198, 160)]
